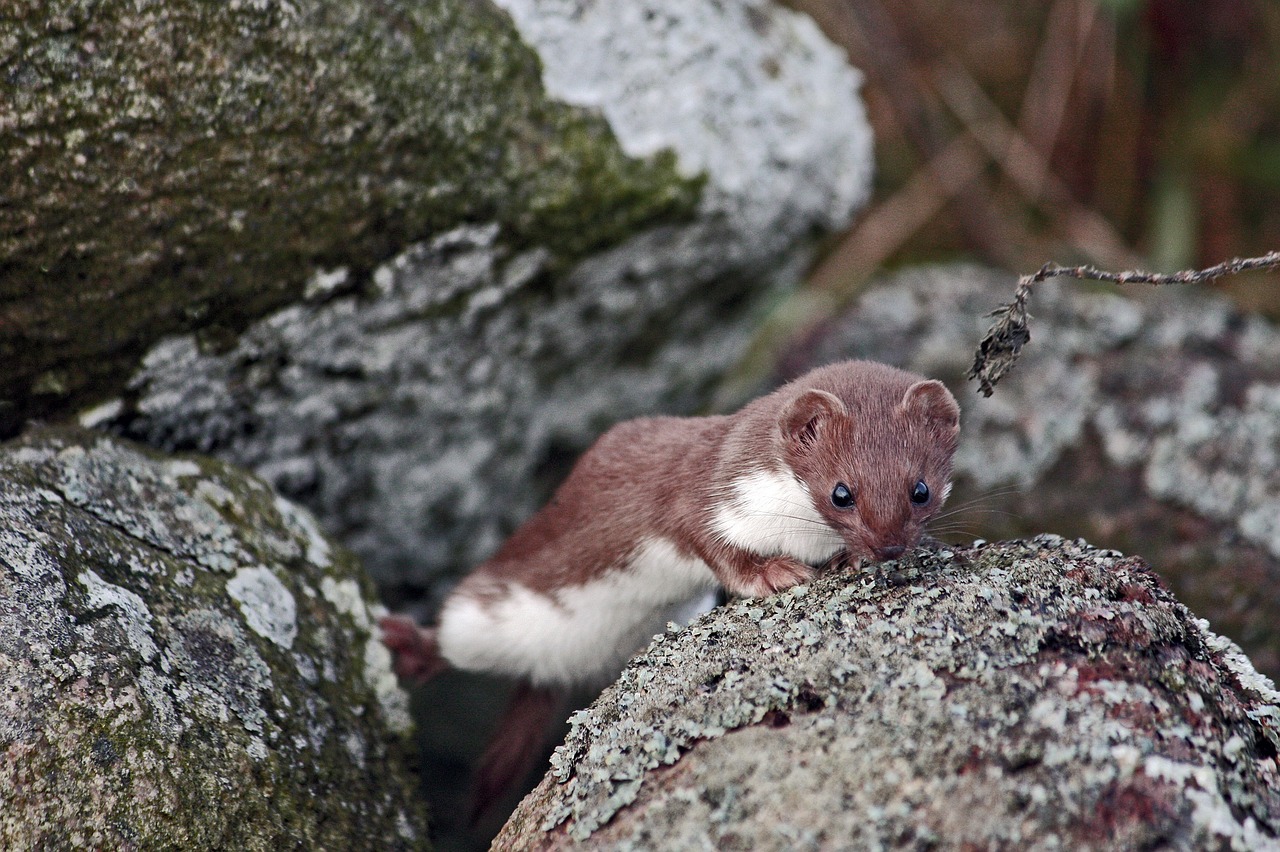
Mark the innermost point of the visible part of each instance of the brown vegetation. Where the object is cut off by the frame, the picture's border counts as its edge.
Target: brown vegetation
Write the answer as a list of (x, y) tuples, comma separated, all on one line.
[(1121, 133)]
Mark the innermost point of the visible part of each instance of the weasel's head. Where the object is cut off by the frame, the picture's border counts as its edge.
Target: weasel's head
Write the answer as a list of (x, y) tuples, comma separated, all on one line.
[(877, 461)]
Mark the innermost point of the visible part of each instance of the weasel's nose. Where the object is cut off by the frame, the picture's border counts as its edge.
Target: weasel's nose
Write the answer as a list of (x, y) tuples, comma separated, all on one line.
[(892, 551)]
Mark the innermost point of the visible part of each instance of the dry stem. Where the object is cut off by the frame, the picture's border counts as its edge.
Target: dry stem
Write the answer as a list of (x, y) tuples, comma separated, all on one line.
[(1003, 342)]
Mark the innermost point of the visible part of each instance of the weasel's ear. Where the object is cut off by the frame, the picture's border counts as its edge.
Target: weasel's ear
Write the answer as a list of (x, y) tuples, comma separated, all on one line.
[(803, 416), (930, 401)]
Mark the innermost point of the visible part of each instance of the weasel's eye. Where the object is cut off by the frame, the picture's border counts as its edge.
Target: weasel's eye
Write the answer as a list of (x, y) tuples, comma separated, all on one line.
[(841, 496), (920, 494)]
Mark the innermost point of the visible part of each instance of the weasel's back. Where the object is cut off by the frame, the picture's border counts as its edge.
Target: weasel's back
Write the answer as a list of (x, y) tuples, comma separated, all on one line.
[(626, 488)]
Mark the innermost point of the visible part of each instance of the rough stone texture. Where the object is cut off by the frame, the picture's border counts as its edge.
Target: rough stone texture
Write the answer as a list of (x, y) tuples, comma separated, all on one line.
[(671, 76), (1147, 420), (184, 166), (185, 663), (1038, 695), (425, 415)]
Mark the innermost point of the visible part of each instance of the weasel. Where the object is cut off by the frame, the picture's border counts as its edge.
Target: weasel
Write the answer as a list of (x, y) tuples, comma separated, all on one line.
[(853, 458)]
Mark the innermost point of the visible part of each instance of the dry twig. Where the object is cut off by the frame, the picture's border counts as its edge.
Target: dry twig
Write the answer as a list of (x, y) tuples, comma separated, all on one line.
[(1003, 342)]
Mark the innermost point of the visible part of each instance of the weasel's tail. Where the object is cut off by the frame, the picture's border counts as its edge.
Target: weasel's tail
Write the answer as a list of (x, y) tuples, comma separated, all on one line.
[(515, 745), (417, 653)]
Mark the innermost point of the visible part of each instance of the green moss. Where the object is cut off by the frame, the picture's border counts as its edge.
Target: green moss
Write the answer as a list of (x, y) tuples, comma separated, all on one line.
[(170, 166)]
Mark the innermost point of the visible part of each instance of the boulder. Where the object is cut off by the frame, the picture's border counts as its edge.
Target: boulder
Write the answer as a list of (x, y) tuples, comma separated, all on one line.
[(186, 662), (1139, 418), (405, 259), (1039, 694)]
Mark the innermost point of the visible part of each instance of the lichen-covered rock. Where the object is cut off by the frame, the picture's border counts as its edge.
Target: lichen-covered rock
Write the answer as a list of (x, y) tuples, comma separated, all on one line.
[(397, 403), (1024, 695), (185, 663), (1144, 419), (172, 165)]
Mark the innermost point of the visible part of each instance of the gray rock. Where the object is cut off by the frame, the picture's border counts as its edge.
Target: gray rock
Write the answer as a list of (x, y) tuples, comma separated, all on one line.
[(424, 415), (186, 663), (1037, 694), (1147, 419), (174, 167)]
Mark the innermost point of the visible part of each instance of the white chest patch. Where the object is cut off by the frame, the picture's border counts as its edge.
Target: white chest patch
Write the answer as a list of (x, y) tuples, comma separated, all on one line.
[(771, 513), (582, 634)]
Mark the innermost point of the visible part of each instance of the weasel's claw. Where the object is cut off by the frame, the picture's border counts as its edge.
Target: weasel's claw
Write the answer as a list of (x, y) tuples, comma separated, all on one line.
[(416, 651)]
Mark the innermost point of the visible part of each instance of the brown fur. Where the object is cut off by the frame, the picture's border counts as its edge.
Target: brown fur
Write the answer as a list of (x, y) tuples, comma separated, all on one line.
[(665, 476), (877, 429), (898, 429), (641, 478)]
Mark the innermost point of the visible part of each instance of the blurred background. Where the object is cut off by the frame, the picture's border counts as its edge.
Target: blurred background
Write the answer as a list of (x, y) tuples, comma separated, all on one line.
[(1115, 132)]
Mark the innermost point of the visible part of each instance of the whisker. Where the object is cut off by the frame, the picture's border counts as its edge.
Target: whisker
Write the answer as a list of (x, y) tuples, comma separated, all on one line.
[(802, 519), (972, 508), (962, 518), (772, 536), (986, 496), (968, 533), (975, 502), (957, 529), (977, 513), (754, 515), (807, 527)]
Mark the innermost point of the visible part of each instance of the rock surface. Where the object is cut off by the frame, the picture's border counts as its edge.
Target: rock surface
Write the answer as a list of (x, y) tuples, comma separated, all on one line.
[(399, 258), (174, 166), (186, 663), (1146, 420), (1023, 695)]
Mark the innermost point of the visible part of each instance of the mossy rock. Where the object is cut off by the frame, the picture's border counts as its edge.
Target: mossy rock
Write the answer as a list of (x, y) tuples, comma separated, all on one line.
[(186, 663), (176, 166), (399, 257)]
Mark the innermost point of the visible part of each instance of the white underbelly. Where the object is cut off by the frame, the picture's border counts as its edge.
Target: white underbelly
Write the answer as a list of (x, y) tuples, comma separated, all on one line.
[(579, 634)]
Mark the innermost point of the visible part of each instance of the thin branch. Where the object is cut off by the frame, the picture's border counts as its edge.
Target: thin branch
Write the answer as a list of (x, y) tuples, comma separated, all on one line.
[(1003, 342)]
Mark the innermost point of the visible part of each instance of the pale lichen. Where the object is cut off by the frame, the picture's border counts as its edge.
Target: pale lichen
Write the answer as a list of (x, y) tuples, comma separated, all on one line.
[(266, 603), (1013, 695), (164, 654)]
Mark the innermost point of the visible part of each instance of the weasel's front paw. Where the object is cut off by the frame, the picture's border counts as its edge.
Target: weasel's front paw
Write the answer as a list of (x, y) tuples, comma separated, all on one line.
[(416, 652), (774, 575), (842, 560)]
